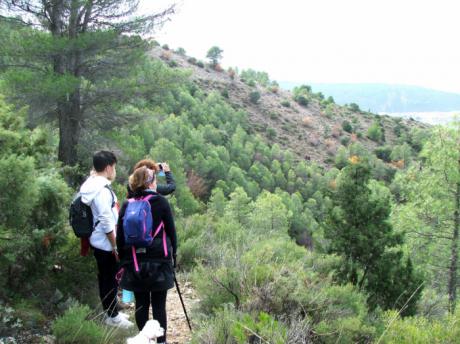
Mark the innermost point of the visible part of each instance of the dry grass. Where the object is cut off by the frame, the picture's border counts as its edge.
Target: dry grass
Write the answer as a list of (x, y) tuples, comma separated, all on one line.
[(354, 138), (166, 55), (331, 146), (314, 140), (399, 164), (231, 73), (307, 121), (218, 68), (336, 131)]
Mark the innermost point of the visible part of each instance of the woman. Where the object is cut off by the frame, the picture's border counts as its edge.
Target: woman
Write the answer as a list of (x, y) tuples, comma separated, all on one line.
[(155, 262), (162, 189)]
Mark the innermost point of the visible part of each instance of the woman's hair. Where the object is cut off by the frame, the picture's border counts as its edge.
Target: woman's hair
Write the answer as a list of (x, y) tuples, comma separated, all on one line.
[(150, 164), (141, 178)]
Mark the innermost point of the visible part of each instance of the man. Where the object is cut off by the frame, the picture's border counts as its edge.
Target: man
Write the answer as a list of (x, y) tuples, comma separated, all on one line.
[(96, 193)]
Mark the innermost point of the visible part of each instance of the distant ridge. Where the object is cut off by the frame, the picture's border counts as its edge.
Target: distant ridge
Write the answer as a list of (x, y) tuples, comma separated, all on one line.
[(387, 98)]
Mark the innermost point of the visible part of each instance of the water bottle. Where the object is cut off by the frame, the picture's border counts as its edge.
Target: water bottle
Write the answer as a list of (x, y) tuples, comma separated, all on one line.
[(127, 296)]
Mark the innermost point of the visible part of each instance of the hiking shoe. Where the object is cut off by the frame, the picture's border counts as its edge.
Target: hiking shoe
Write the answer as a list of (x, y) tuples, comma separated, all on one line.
[(124, 315), (119, 321)]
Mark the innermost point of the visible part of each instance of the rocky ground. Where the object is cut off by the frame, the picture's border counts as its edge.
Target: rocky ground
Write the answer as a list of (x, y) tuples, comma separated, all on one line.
[(178, 331)]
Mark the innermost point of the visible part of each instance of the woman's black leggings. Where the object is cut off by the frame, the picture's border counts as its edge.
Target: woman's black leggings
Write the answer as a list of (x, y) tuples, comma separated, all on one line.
[(158, 301)]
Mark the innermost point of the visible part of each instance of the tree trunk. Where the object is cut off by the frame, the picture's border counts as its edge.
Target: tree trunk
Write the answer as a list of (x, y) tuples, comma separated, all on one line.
[(69, 110), (454, 252), (70, 116)]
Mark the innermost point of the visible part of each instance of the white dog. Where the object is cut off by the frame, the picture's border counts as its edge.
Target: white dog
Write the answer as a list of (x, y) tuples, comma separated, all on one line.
[(149, 334)]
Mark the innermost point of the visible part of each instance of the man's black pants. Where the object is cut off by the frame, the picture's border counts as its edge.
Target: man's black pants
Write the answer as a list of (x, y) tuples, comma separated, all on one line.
[(108, 286)]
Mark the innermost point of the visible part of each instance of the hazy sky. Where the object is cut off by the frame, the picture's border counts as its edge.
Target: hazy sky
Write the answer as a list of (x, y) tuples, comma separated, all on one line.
[(413, 42)]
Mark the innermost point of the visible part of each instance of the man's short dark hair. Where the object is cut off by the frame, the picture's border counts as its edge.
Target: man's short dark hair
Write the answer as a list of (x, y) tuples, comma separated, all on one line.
[(102, 159)]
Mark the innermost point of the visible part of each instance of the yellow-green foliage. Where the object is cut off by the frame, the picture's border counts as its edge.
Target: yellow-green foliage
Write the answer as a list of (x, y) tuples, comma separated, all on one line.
[(234, 327), (279, 278), (75, 326), (420, 330), (32, 220), (346, 331)]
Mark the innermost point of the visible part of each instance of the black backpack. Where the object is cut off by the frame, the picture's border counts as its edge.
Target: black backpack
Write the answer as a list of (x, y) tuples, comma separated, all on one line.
[(81, 216)]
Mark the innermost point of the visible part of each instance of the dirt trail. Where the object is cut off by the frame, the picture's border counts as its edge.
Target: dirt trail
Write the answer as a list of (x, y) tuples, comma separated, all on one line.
[(178, 331)]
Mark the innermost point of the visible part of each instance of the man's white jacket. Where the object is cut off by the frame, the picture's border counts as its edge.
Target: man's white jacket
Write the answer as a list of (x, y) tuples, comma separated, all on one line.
[(103, 205)]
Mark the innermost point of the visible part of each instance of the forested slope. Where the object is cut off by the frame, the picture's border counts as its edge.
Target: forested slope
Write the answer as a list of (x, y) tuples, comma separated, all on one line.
[(309, 124), (298, 223)]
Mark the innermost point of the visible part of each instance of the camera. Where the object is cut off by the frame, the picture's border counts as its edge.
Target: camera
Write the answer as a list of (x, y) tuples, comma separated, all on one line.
[(161, 173)]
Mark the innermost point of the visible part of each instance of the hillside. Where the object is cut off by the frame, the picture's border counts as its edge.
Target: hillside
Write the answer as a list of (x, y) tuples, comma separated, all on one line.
[(296, 220), (388, 98), (313, 132)]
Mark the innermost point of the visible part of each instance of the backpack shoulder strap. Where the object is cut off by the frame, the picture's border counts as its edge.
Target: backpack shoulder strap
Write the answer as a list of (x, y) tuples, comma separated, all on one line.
[(111, 193), (148, 197)]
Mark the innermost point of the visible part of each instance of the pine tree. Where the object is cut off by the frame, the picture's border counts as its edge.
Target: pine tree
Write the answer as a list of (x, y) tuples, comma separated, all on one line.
[(214, 54), (359, 231), (76, 67), (430, 213)]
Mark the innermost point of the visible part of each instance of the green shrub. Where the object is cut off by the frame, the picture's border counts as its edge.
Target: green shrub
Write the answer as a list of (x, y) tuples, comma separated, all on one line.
[(76, 326), (274, 115), (302, 94), (375, 132), (383, 153), (165, 47), (18, 198), (32, 216), (347, 126), (271, 133), (219, 286), (399, 129), (420, 330), (250, 329), (172, 64), (192, 60), (349, 330), (302, 100), (224, 93), (285, 103), (30, 314), (200, 64), (235, 327), (193, 241), (251, 83), (254, 77), (254, 97), (345, 140), (180, 51), (329, 112), (354, 107)]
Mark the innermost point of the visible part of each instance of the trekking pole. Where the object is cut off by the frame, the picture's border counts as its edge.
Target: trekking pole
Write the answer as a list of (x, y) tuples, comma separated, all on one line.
[(182, 302)]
